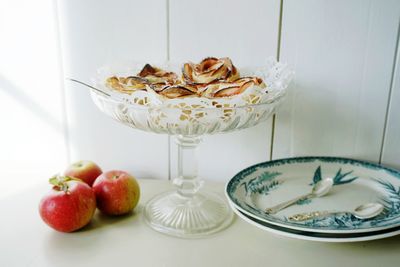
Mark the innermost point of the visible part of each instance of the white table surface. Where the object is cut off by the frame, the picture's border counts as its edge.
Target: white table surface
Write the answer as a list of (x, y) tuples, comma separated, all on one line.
[(26, 241)]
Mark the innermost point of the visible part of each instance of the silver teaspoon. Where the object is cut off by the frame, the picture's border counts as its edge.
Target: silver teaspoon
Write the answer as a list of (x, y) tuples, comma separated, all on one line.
[(365, 211), (91, 87), (320, 189)]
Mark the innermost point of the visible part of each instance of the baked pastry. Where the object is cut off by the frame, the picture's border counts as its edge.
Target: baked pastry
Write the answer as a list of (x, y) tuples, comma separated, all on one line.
[(209, 70), (156, 75), (211, 78), (178, 91), (226, 89), (128, 84)]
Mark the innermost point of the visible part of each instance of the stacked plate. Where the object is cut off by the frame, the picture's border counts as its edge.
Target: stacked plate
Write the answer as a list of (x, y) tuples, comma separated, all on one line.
[(255, 189)]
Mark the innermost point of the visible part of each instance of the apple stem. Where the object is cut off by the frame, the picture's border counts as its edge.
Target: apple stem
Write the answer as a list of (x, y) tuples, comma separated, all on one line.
[(115, 177), (59, 182)]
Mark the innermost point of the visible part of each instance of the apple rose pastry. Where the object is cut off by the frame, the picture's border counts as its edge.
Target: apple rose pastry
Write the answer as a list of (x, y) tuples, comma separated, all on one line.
[(126, 85), (158, 76), (208, 70), (227, 89), (153, 77), (179, 91), (211, 78), (158, 79)]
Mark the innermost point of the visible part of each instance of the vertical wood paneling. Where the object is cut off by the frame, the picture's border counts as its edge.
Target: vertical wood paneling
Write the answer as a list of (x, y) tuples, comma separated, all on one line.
[(391, 146), (94, 33), (246, 31), (342, 52)]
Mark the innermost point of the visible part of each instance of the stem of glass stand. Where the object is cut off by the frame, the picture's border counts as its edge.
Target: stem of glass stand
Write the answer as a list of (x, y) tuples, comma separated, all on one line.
[(187, 181)]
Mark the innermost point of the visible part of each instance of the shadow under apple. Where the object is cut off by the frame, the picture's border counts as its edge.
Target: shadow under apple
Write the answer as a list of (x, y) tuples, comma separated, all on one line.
[(101, 220)]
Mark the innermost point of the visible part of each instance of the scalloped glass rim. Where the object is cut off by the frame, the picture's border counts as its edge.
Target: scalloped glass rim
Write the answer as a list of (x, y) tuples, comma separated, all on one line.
[(277, 87)]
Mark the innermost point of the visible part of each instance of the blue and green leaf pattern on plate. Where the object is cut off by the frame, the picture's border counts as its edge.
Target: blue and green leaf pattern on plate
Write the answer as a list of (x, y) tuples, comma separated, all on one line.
[(263, 178)]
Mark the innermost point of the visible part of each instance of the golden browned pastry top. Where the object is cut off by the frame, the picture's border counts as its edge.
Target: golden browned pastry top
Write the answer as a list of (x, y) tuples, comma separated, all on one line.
[(126, 84), (155, 75), (211, 78), (209, 70)]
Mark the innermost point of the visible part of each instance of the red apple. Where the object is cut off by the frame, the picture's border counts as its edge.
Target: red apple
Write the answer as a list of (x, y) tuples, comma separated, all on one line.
[(85, 170), (117, 192), (69, 206)]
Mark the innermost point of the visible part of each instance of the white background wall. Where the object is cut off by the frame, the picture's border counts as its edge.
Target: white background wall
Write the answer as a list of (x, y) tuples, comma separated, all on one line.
[(344, 101), (32, 125)]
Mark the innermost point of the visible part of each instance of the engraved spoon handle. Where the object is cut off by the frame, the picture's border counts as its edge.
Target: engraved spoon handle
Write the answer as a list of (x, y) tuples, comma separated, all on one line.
[(288, 203), (311, 215)]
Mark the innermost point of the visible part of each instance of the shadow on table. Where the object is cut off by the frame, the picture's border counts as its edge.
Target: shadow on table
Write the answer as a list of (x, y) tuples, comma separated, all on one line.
[(85, 242), (385, 244), (101, 220)]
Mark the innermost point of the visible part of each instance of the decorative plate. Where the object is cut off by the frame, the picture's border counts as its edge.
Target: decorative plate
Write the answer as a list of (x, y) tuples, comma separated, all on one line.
[(356, 182), (322, 237)]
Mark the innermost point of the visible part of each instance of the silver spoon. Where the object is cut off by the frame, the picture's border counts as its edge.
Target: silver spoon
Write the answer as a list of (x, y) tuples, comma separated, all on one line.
[(320, 189), (87, 85), (365, 211)]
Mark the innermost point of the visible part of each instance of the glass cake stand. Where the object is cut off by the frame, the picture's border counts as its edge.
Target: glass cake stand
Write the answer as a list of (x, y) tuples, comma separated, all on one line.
[(189, 211)]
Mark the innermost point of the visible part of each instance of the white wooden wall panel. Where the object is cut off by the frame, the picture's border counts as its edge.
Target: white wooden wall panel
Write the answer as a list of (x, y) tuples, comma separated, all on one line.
[(95, 33), (342, 52), (391, 146), (247, 32)]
